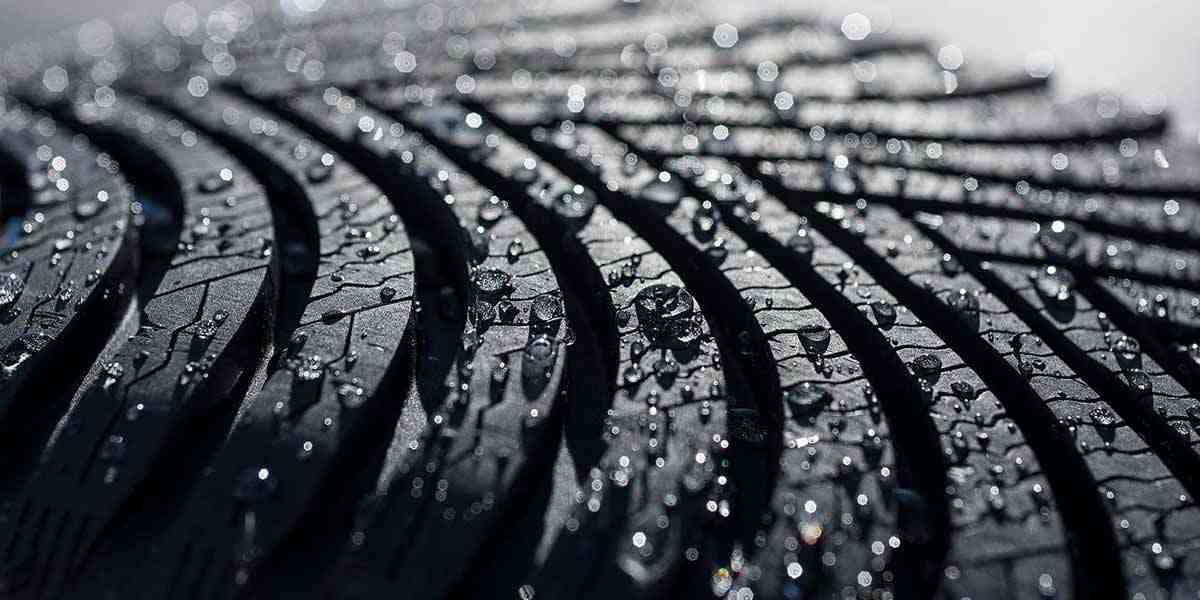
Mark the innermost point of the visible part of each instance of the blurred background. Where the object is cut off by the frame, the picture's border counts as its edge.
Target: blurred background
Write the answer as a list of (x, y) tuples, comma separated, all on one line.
[(1145, 50)]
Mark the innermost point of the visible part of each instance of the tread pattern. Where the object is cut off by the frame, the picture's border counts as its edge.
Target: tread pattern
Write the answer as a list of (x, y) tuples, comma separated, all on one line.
[(984, 449), (499, 420), (195, 342), (668, 415), (66, 257), (595, 299), (849, 477), (340, 368)]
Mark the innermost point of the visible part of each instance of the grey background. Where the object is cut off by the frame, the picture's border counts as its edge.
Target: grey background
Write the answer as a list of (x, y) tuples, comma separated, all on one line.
[(1147, 50)]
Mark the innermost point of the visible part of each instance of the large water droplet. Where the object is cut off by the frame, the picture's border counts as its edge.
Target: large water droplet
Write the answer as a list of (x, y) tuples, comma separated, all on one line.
[(815, 338), (1128, 352), (665, 315), (966, 306), (885, 313), (547, 308), (491, 282), (927, 367), (1103, 417), (1054, 285), (805, 401)]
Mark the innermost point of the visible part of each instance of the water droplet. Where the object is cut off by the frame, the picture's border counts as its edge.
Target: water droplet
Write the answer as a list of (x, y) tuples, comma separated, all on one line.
[(491, 282), (666, 369), (575, 207), (206, 329), (1139, 381), (490, 212), (11, 288), (1128, 352), (665, 315), (1061, 240), (310, 368), (194, 372), (927, 367), (515, 248), (1103, 417), (332, 316), (815, 338), (802, 244), (350, 394), (964, 391), (806, 400), (1054, 285), (86, 208), (1193, 413), (66, 291), (705, 222), (633, 374), (547, 308), (966, 306), (885, 313)]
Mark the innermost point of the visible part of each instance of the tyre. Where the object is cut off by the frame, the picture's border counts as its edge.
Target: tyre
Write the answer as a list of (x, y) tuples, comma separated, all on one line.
[(587, 301)]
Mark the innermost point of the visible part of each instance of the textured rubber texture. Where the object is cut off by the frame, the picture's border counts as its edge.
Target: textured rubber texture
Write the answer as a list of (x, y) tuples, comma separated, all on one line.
[(600, 300)]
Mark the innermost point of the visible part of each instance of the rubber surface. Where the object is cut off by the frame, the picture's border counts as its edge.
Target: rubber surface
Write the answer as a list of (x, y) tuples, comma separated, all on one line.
[(606, 299)]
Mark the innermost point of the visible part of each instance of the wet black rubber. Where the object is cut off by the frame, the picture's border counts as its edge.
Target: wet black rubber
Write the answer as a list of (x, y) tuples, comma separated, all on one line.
[(600, 300)]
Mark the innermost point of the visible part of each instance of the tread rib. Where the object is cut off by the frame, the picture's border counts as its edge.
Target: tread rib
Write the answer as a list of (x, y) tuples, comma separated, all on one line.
[(199, 337)]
